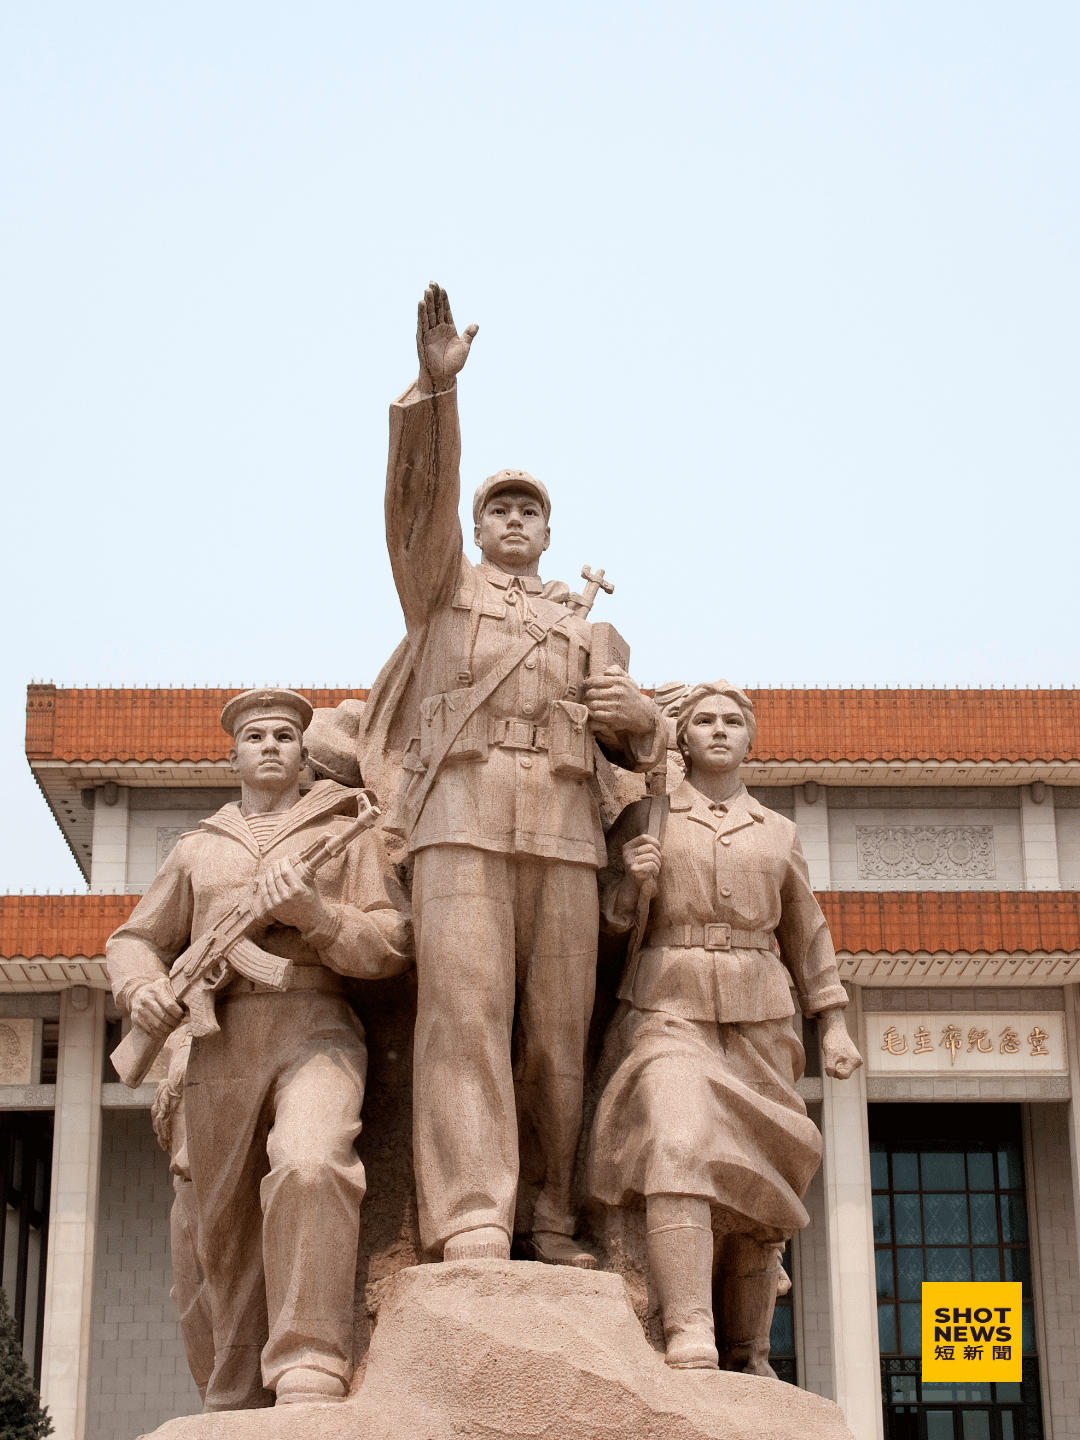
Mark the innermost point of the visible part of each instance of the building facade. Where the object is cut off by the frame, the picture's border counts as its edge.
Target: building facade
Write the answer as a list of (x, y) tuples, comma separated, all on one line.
[(942, 831)]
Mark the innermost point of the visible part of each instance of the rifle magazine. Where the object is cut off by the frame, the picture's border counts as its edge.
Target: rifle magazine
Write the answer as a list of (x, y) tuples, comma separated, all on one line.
[(248, 960)]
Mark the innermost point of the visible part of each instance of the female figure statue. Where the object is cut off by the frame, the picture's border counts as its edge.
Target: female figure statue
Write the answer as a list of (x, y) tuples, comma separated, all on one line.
[(700, 1114)]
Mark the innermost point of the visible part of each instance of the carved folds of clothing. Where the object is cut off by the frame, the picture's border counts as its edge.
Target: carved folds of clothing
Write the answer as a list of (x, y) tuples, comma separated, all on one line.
[(506, 845), (519, 776), (701, 1055), (519, 779), (212, 866), (271, 1103)]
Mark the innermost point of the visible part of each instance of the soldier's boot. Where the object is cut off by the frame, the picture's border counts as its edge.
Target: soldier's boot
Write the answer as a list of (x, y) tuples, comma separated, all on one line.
[(552, 1247), (749, 1296), (680, 1247), (304, 1385), (486, 1242)]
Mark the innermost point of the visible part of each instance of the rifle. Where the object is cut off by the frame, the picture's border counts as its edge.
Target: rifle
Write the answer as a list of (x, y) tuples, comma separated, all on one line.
[(659, 805), (225, 951)]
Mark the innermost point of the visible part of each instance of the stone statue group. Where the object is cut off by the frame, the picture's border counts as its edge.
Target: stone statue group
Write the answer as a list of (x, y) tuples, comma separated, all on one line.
[(496, 737)]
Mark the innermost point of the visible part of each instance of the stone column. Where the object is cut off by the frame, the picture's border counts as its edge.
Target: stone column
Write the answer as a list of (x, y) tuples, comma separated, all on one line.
[(850, 1244), (810, 1271), (1072, 1041), (69, 1275), (812, 819), (1038, 837), (108, 866)]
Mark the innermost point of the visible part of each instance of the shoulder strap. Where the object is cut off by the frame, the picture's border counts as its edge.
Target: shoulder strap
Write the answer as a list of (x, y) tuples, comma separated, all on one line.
[(535, 635)]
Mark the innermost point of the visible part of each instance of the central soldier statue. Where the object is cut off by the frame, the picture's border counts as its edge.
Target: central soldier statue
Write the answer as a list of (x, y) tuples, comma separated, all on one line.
[(512, 689)]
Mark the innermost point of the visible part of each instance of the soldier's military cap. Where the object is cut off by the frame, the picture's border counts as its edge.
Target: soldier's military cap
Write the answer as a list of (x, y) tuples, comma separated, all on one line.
[(510, 480), (264, 705)]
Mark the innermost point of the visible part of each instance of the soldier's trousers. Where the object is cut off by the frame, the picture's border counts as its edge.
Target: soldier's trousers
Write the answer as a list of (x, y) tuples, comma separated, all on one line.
[(189, 1285), (273, 1108), (494, 934)]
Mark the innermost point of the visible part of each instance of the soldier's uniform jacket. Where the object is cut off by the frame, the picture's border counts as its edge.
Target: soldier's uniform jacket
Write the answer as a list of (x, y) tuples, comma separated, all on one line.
[(734, 922), (212, 867), (520, 777)]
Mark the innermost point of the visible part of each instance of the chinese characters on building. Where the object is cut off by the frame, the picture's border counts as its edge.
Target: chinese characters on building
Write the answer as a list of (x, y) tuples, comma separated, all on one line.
[(951, 1038)]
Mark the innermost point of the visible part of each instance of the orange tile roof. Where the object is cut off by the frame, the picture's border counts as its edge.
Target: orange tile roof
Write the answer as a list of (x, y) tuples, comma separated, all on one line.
[(136, 725), (970, 920), (60, 926), (63, 926), (991, 725), (793, 725)]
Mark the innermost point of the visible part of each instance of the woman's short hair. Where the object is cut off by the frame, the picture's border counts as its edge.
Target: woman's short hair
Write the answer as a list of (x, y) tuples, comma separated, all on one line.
[(698, 693)]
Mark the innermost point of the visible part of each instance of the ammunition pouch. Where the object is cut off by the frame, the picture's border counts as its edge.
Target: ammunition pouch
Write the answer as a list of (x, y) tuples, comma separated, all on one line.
[(437, 715), (571, 750), (567, 738)]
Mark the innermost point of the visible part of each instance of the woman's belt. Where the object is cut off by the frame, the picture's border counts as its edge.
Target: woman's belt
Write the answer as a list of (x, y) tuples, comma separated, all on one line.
[(710, 937)]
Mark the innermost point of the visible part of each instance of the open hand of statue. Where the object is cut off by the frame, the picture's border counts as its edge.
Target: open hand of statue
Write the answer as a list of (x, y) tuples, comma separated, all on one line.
[(282, 895), (617, 706), (837, 1047), (154, 1009), (441, 349), (641, 856)]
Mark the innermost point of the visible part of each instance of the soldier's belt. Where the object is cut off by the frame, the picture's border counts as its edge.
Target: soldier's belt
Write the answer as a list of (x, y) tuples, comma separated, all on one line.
[(520, 735), (709, 937), (304, 977)]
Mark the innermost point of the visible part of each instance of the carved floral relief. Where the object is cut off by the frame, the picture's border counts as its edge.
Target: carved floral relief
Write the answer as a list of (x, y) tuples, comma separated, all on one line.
[(925, 852)]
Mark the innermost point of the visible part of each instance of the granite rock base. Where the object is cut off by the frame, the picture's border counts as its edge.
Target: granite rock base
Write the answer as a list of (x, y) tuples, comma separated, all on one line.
[(509, 1350)]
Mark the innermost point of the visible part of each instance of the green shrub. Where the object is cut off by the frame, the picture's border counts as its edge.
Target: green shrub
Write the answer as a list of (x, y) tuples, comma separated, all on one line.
[(21, 1414)]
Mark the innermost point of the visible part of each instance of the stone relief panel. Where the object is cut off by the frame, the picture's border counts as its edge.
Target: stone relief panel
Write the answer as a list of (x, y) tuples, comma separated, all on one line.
[(167, 836), (925, 852), (16, 1051)]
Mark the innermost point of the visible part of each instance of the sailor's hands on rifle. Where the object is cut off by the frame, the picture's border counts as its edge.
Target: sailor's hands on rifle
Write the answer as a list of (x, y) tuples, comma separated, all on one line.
[(154, 1009), (441, 349), (617, 706), (282, 894), (642, 859)]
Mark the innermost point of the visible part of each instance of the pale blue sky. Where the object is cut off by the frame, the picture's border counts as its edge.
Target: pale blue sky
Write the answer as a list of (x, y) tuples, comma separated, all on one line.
[(779, 299)]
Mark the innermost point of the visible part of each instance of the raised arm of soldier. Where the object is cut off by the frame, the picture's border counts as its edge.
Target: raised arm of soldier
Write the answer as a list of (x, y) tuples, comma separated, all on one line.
[(423, 487), (616, 704)]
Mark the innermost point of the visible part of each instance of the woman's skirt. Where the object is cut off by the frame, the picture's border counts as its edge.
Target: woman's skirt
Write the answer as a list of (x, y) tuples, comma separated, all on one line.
[(697, 1108)]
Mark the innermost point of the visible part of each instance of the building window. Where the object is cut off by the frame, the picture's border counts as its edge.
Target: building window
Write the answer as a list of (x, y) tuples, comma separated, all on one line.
[(949, 1204), (50, 1051), (782, 1335), (25, 1172)]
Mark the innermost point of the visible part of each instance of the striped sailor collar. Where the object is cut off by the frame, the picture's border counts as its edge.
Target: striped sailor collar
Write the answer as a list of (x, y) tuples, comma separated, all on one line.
[(325, 798)]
